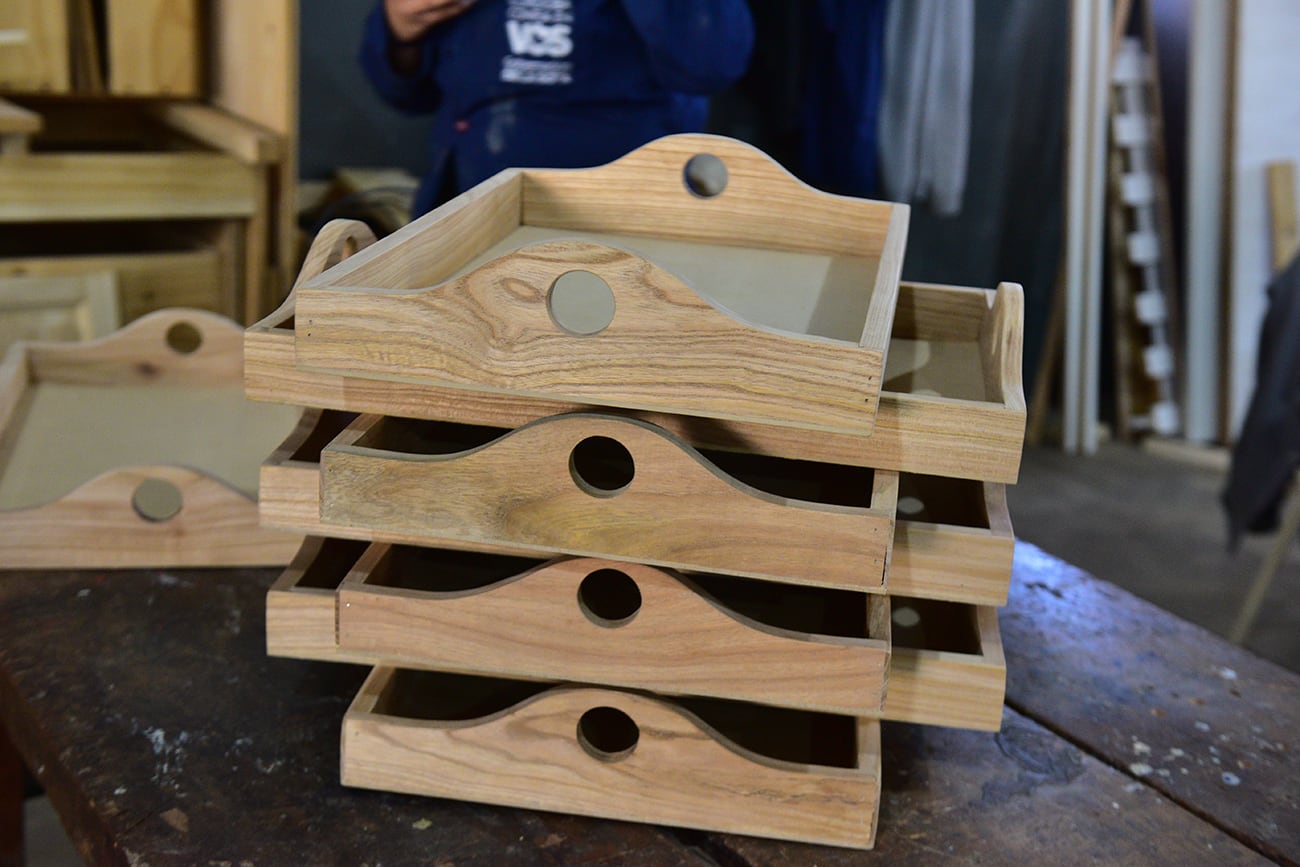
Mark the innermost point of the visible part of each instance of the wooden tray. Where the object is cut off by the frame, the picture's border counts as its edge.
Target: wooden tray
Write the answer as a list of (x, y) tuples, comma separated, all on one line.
[(963, 431), (135, 450), (619, 624), (599, 485), (952, 541), (706, 764), (772, 300), (946, 666)]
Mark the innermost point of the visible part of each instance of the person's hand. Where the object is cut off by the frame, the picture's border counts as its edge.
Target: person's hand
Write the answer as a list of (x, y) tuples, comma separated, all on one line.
[(411, 19)]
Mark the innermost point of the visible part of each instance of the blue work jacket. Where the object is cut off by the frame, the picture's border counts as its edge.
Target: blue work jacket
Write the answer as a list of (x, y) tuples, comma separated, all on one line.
[(559, 83)]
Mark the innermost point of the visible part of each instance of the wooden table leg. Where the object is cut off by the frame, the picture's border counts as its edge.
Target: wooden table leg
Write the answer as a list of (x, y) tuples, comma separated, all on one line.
[(11, 803)]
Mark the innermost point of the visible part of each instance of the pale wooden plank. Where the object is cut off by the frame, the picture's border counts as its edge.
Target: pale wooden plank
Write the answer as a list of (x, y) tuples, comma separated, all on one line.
[(677, 510), (219, 129), (110, 186), (34, 56), (681, 771), (153, 47), (677, 639)]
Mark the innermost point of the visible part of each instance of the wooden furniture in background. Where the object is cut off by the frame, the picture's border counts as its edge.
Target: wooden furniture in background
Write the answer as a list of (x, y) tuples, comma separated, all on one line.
[(226, 169), (58, 308)]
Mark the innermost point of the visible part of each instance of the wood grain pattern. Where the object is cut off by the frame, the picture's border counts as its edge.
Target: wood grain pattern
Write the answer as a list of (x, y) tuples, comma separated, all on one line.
[(96, 526), (678, 639), (913, 433), (677, 511), (58, 308), (59, 187), (962, 688), (643, 193), (145, 281), (300, 605), (680, 772), (493, 330), (34, 56), (962, 557), (153, 47)]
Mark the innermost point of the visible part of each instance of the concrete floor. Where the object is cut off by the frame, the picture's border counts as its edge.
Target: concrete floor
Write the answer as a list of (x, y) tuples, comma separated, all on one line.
[(1152, 524)]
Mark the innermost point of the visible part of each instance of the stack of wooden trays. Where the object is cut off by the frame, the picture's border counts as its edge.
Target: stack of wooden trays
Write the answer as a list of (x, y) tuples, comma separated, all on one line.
[(646, 499)]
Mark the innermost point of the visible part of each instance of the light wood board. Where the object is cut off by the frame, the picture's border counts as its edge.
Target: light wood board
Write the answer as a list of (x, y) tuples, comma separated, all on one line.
[(680, 772), (538, 624), (58, 308), (153, 47), (34, 50), (678, 511)]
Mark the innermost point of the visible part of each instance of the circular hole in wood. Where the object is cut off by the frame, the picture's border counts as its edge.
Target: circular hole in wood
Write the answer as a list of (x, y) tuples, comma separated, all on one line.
[(608, 734), (910, 506), (705, 175), (601, 466), (156, 500), (609, 598), (184, 338), (581, 303), (905, 617)]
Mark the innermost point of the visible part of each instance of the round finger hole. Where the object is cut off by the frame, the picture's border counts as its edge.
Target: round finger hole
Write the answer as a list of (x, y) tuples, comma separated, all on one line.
[(609, 598), (581, 303), (601, 466), (608, 734), (910, 506), (905, 617), (705, 175), (156, 500), (184, 338)]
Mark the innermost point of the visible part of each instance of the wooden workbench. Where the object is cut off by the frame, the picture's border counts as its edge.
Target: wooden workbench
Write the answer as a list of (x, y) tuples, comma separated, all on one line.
[(145, 704)]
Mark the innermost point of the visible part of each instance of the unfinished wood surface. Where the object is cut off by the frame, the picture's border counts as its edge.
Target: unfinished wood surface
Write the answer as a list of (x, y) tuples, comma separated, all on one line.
[(1283, 214), (153, 47), (953, 540), (34, 46), (58, 308), (220, 130), (145, 281), (594, 485), (498, 329), (564, 750), (300, 606), (83, 425), (50, 187), (620, 624), (946, 667), (761, 205), (17, 126), (928, 434), (106, 524)]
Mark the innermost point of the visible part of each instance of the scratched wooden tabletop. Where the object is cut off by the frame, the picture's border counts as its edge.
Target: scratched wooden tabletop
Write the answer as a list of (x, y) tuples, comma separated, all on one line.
[(144, 703)]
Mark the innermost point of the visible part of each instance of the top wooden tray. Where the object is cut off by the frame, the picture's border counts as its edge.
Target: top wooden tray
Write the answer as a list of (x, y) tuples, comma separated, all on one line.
[(765, 302)]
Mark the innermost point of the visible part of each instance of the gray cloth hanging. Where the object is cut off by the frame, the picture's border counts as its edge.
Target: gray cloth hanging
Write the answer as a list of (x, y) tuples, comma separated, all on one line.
[(924, 126)]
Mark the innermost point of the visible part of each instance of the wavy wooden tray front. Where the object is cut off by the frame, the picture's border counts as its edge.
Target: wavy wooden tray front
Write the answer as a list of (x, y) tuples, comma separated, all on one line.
[(666, 348), (678, 640), (520, 491), (679, 772), (914, 432), (91, 520), (402, 310)]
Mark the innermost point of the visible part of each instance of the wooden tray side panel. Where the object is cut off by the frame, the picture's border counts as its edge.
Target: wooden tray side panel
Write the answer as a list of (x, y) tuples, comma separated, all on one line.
[(492, 330), (142, 353), (676, 512), (950, 689), (762, 205), (96, 526), (676, 642), (432, 248), (677, 774), (956, 563)]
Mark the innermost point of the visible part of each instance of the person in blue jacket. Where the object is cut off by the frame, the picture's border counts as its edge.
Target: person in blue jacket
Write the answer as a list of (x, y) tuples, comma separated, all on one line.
[(549, 83)]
